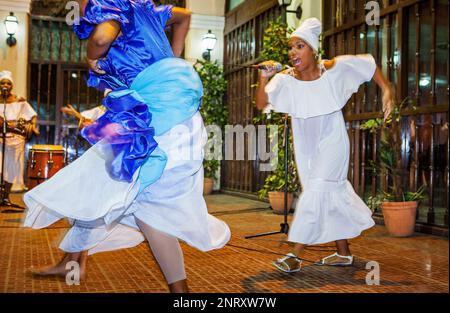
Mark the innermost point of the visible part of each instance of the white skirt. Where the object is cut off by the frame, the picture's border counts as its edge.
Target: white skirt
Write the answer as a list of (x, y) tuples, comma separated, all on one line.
[(103, 210), (14, 162), (329, 211)]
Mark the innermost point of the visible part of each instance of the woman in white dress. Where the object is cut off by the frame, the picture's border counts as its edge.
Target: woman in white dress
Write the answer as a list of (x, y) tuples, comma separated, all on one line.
[(143, 177), (313, 93), (16, 108)]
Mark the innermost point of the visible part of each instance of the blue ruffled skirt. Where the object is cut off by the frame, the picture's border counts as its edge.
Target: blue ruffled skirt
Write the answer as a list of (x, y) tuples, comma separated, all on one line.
[(145, 162)]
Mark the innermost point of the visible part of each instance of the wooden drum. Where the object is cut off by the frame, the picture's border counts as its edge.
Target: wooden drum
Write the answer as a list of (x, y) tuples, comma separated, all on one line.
[(43, 162)]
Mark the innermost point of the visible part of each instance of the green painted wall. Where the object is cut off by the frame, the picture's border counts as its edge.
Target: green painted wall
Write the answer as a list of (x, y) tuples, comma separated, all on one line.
[(234, 3)]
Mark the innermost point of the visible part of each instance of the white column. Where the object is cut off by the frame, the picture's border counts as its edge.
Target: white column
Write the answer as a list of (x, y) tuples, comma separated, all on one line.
[(206, 15), (15, 59)]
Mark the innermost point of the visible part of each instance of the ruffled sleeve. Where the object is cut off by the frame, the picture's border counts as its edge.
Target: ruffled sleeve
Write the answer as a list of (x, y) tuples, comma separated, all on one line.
[(276, 92), (351, 72), (27, 112), (99, 11)]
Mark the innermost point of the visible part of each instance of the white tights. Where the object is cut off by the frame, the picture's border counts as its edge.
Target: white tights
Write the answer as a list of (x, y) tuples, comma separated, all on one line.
[(167, 252)]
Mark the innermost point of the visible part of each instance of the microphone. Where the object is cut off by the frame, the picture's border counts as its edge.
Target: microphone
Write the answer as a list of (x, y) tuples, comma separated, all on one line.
[(277, 66), (5, 91)]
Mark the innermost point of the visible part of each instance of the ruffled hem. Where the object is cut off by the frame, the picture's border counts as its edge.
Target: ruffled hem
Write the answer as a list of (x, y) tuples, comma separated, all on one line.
[(125, 130), (327, 212), (301, 99)]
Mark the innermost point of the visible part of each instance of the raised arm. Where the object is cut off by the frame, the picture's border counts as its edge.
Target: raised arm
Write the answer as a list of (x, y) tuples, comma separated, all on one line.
[(264, 76), (180, 21), (388, 97), (100, 41)]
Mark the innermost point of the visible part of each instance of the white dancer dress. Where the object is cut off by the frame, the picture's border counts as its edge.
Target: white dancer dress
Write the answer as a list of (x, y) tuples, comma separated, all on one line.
[(328, 208), (103, 210)]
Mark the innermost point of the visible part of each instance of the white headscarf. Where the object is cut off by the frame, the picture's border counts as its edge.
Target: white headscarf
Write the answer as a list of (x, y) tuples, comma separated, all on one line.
[(7, 75), (309, 31)]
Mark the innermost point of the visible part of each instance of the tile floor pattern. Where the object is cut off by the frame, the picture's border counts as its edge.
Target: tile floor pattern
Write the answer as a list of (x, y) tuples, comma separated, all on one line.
[(415, 264)]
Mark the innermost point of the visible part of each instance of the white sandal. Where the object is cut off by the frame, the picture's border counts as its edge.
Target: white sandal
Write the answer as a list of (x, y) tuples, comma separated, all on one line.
[(349, 261), (283, 266)]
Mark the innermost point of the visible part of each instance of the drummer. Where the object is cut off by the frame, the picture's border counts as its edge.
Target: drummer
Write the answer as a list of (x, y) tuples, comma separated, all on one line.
[(18, 113)]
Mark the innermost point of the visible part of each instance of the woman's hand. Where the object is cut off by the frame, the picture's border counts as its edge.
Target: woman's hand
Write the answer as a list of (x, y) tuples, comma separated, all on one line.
[(388, 97), (70, 110), (388, 100), (93, 66), (270, 69)]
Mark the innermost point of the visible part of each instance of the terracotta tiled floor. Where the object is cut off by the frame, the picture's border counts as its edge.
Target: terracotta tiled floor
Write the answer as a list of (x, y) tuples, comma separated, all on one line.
[(415, 264)]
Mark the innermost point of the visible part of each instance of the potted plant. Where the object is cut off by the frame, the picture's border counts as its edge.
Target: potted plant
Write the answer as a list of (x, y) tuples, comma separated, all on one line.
[(399, 206), (213, 112), (275, 43), (274, 185), (210, 173)]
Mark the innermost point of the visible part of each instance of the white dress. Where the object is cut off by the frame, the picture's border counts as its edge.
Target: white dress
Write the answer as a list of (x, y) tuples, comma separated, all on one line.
[(328, 208), (94, 113), (15, 144), (103, 210)]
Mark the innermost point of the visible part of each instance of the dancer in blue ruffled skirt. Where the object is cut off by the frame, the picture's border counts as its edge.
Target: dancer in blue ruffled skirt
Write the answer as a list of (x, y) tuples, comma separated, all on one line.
[(143, 177)]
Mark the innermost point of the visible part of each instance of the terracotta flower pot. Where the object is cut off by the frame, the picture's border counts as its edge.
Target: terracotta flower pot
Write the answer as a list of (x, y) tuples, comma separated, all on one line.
[(208, 185), (276, 199), (400, 217)]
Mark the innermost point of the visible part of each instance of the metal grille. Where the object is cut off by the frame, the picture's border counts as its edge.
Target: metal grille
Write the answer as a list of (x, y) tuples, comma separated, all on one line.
[(244, 29), (56, 75), (411, 47)]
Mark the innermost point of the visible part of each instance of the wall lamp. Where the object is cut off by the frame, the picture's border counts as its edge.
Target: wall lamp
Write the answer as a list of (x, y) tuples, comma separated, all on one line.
[(11, 25), (209, 42), (298, 12)]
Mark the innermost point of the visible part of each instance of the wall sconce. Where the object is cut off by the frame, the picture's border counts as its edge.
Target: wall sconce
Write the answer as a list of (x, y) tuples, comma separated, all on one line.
[(11, 24), (208, 42), (298, 12)]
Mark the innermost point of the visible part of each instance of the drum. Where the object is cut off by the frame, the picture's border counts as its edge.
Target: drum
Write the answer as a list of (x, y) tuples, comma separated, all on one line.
[(43, 162)]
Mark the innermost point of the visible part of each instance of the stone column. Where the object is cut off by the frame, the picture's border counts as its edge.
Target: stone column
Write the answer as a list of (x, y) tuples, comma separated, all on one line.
[(15, 58)]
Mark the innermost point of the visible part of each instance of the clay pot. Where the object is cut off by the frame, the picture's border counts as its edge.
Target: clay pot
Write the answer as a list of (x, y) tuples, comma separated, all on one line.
[(276, 199), (208, 185), (400, 217)]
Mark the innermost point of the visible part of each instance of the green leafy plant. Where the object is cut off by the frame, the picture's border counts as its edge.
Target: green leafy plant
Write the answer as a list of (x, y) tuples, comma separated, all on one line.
[(275, 47), (389, 159), (213, 110)]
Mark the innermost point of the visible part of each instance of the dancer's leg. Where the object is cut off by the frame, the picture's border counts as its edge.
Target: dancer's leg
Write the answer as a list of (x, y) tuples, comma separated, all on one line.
[(342, 247), (167, 252)]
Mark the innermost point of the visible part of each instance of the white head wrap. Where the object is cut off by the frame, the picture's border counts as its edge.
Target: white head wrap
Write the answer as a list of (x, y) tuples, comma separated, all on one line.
[(309, 31), (7, 75)]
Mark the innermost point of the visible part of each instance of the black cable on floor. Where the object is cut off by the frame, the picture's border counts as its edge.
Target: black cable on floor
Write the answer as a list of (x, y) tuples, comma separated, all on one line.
[(268, 252)]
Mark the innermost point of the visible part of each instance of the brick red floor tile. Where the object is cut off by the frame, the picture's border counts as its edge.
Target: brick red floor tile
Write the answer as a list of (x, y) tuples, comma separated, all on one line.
[(415, 264)]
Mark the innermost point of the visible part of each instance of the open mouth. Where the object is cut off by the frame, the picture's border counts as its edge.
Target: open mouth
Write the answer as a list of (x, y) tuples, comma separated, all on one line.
[(296, 61)]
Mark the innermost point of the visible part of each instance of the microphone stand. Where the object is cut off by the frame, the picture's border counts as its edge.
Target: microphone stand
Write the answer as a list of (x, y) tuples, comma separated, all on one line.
[(4, 195), (284, 227)]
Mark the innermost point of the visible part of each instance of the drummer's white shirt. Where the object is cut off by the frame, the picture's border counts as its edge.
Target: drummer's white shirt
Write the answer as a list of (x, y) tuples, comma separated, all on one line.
[(14, 111), (15, 144)]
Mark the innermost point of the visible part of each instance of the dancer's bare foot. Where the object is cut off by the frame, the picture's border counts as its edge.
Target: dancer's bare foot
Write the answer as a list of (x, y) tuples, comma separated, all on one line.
[(60, 270), (179, 287)]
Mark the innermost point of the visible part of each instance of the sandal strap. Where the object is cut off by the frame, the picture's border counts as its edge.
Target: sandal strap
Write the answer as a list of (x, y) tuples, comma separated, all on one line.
[(287, 257), (348, 257)]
